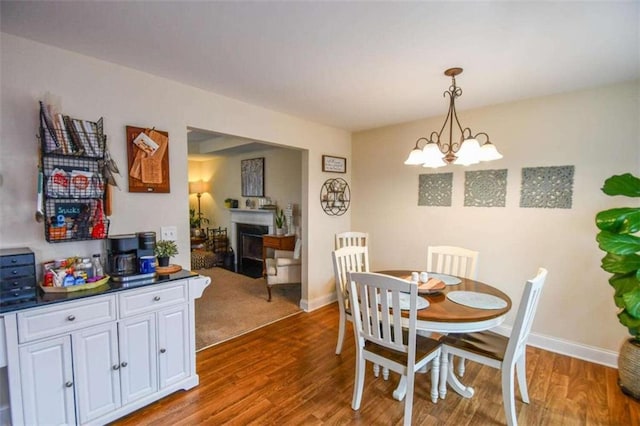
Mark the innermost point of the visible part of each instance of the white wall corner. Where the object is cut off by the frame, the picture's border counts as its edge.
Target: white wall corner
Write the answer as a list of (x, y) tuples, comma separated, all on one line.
[(566, 347), (311, 305)]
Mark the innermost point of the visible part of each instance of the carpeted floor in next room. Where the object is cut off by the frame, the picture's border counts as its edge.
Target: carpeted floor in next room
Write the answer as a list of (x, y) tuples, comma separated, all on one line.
[(234, 304)]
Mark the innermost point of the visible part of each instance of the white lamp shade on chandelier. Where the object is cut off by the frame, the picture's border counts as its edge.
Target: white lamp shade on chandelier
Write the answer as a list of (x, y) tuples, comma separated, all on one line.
[(466, 151)]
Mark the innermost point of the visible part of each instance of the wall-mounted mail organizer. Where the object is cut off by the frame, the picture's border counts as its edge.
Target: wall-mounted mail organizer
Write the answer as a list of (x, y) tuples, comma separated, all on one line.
[(72, 184)]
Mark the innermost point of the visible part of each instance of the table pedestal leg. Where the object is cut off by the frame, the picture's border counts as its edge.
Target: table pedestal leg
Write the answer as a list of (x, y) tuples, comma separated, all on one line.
[(401, 390), (456, 385)]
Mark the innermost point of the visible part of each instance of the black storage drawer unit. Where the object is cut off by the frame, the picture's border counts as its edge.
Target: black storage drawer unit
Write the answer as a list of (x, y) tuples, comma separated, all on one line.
[(17, 276)]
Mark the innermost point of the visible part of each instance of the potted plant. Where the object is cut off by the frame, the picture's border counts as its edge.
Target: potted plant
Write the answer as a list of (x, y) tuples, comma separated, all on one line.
[(195, 222), (618, 236), (164, 250), (228, 202), (279, 222)]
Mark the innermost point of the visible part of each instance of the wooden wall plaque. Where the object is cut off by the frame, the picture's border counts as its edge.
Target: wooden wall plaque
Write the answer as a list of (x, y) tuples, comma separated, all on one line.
[(148, 155)]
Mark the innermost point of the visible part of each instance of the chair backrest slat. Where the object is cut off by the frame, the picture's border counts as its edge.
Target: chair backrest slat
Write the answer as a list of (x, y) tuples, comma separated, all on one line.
[(453, 261), (348, 259), (351, 238), (376, 309)]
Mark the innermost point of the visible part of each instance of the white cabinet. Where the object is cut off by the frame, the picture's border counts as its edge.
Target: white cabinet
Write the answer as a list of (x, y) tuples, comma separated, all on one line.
[(96, 368), (47, 382), (173, 355), (138, 357), (102, 357)]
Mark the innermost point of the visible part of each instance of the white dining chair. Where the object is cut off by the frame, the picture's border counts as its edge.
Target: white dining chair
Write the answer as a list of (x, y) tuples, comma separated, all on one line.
[(346, 259), (452, 260), (456, 261), (504, 353), (351, 238), (382, 338)]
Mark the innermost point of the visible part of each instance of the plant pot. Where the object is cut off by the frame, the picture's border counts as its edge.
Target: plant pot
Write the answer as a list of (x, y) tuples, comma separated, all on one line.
[(279, 231), (629, 368), (228, 204), (163, 261)]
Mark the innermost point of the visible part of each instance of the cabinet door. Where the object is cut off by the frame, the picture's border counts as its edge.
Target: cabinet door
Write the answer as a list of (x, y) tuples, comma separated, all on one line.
[(97, 371), (138, 357), (47, 382), (173, 345)]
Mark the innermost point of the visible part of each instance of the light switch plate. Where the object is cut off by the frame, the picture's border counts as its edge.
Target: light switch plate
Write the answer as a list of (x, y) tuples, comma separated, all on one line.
[(169, 233)]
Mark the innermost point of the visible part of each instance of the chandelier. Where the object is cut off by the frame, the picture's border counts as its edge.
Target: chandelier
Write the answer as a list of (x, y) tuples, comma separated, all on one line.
[(466, 150)]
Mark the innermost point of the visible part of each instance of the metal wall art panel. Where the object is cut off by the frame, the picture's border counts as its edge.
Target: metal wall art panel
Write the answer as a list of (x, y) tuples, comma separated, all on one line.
[(547, 187), (485, 188), (435, 189)]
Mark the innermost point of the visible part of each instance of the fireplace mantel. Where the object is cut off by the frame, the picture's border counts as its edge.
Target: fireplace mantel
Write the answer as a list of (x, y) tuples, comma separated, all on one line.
[(250, 217)]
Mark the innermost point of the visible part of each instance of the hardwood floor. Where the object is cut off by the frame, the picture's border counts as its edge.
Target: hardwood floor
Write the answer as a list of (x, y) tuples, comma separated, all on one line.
[(287, 374)]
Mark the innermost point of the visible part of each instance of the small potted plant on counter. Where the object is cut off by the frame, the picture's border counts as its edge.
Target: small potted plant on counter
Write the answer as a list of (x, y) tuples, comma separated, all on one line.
[(164, 250), (618, 237)]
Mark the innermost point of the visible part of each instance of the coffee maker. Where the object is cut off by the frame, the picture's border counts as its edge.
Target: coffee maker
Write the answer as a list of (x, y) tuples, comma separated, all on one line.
[(123, 252)]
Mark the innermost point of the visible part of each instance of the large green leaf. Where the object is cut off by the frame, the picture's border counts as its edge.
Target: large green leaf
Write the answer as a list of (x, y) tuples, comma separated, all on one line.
[(623, 283), (620, 264), (621, 220), (632, 302), (625, 184), (618, 243), (633, 324)]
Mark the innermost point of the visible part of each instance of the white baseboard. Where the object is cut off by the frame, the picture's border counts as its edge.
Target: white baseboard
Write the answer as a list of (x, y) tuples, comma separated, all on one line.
[(308, 306), (566, 347)]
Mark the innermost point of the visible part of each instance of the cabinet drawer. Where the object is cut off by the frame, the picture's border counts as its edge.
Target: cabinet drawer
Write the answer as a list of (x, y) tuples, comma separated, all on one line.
[(17, 271), (16, 283), (150, 299), (65, 317), (16, 260)]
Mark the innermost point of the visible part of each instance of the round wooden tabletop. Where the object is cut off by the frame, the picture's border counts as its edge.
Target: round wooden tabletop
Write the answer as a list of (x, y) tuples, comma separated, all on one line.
[(443, 310)]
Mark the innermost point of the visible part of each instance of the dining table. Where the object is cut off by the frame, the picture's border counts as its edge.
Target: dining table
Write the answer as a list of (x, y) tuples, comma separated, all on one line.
[(443, 315)]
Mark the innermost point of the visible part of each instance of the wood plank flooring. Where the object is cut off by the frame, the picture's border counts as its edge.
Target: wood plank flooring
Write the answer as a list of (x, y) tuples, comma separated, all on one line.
[(288, 374)]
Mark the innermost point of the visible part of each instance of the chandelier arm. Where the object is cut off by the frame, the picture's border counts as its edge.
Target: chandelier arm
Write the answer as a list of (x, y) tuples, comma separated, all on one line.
[(421, 139), (481, 134)]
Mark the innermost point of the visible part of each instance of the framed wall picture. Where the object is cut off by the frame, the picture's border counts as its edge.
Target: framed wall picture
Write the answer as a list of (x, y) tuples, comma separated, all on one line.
[(334, 164), (252, 173)]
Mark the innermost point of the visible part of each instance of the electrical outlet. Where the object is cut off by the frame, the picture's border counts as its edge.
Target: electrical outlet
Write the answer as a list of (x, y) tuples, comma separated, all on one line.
[(169, 233)]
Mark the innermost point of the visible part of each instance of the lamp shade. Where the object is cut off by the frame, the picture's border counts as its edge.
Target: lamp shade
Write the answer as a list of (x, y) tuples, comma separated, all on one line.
[(197, 187), (469, 153), (415, 157), (432, 156), (488, 152)]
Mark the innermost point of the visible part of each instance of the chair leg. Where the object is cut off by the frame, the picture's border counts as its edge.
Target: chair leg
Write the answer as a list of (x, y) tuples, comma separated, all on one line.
[(359, 381), (408, 399), (508, 399), (461, 368), (385, 373), (341, 329), (376, 370), (521, 371), (444, 367), (435, 376)]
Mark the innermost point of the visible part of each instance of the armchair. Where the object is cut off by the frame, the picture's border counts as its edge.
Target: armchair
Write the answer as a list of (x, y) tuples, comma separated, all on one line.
[(284, 268)]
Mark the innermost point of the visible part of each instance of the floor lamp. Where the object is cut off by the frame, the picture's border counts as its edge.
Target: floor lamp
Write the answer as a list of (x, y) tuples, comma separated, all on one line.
[(198, 188)]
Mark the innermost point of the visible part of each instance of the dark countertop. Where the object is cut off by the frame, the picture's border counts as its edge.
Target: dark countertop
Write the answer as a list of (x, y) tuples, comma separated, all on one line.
[(44, 299)]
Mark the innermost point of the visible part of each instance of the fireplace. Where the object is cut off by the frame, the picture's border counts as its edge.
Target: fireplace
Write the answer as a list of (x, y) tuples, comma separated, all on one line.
[(249, 245), (253, 224)]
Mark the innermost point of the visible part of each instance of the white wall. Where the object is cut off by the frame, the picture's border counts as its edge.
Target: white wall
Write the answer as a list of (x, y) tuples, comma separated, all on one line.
[(90, 89), (595, 130)]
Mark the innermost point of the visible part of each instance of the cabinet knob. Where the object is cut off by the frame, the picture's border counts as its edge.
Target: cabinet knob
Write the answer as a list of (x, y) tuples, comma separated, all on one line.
[(163, 350), (123, 364), (14, 272), (71, 317), (68, 384), (116, 367), (157, 298)]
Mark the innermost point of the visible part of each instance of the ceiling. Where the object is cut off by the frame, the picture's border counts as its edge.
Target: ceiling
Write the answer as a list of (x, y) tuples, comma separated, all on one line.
[(351, 65)]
